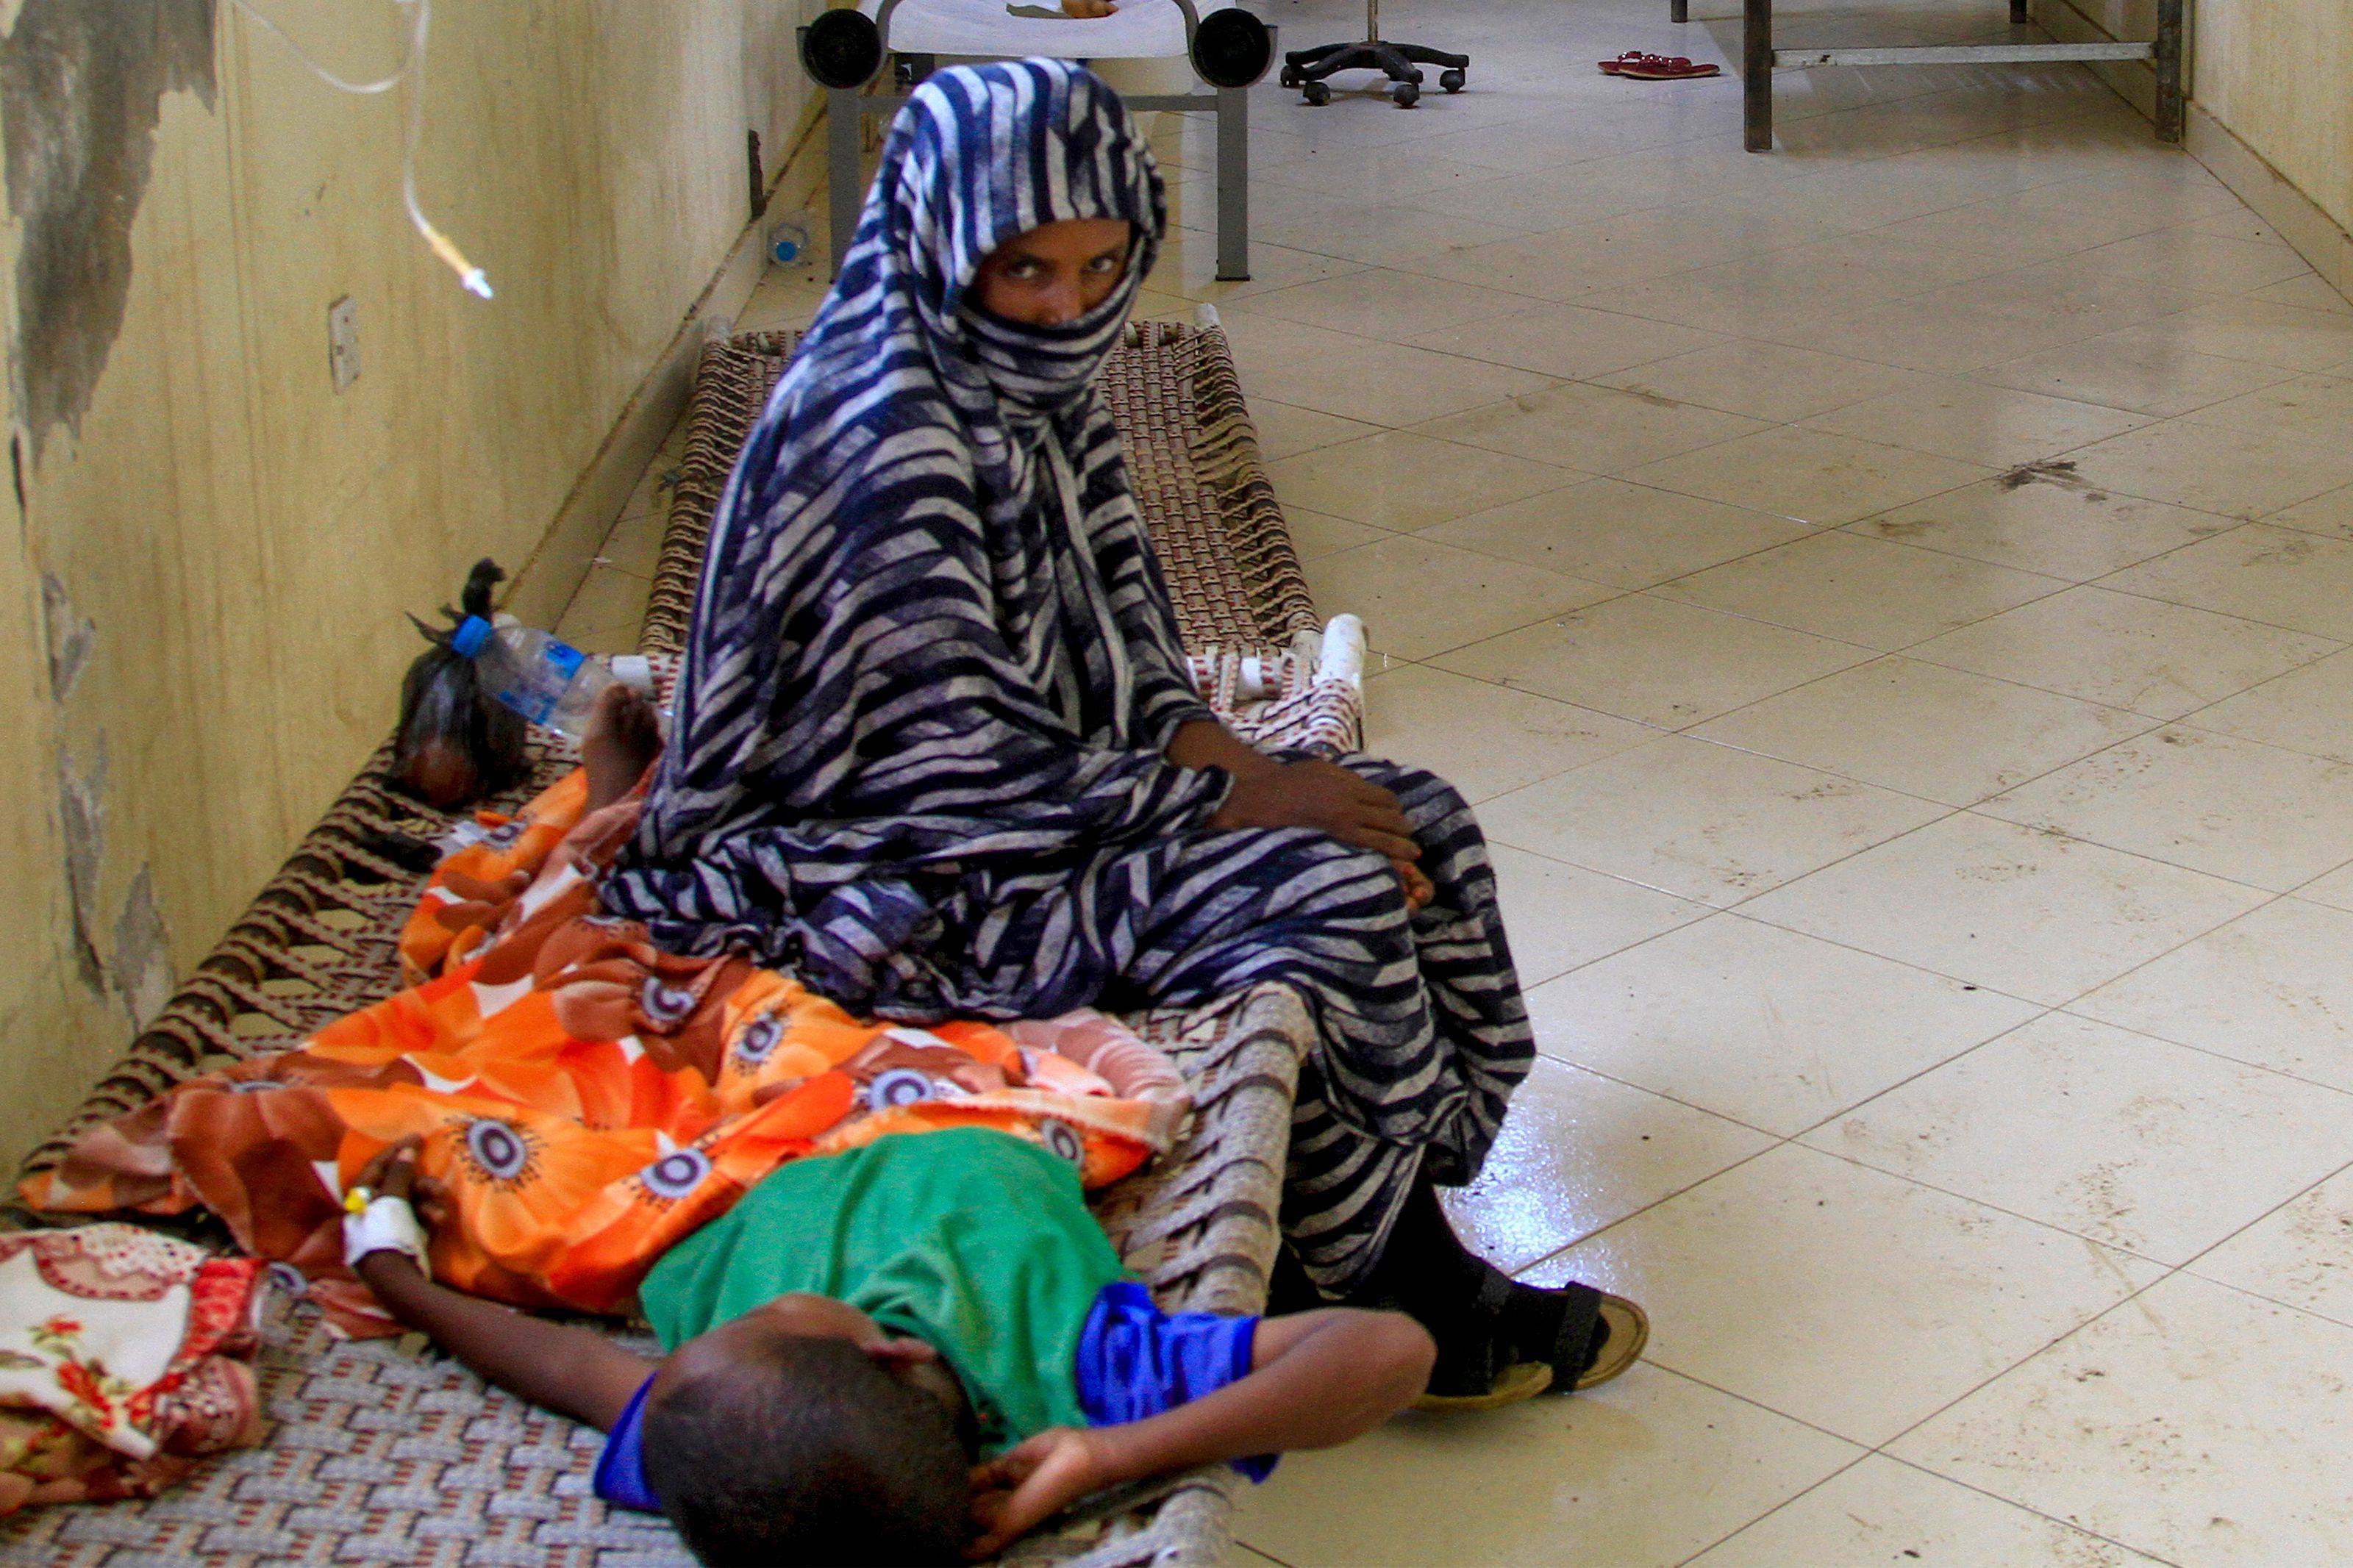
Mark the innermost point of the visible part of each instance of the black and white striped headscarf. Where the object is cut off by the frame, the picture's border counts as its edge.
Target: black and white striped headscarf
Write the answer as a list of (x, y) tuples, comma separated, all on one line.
[(932, 659)]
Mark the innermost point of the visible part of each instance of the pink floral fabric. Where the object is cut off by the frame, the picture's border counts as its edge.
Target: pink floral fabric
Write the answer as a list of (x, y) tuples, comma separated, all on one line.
[(124, 1358)]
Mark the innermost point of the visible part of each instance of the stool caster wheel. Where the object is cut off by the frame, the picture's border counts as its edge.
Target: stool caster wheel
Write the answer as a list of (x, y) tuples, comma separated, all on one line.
[(1450, 80), (1406, 94), (1316, 93), (1290, 77)]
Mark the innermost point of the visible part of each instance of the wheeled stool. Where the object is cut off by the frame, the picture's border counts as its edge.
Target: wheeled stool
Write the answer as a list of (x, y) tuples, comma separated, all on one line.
[(1306, 68)]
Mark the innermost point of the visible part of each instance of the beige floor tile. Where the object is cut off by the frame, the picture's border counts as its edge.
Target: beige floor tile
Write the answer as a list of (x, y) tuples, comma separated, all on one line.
[(2329, 515), (2254, 814), (1700, 821), (2267, 333), (2191, 258), (1399, 481), (1777, 1280), (2236, 473), (2335, 890), (1396, 234), (1764, 381), (1390, 172), (1639, 1473), (1861, 590), (1389, 582), (1580, 1152), (1313, 534), (1631, 536), (1596, 428), (1357, 378), (2155, 1148), (1784, 288), (2028, 913), (2301, 1254), (1967, 338), (2123, 651), (2315, 409), (1560, 916), (1974, 423), (2308, 709), (1567, 341), (2144, 369), (1378, 303), (605, 613), (1882, 1512), (2281, 578), (1653, 661), (1944, 734), (2022, 229), (1764, 1025), (1188, 266), (2196, 1423), (2062, 299), (1485, 739), (2037, 519), (1286, 430), (1814, 476), (2273, 988), (2309, 292), (634, 546)]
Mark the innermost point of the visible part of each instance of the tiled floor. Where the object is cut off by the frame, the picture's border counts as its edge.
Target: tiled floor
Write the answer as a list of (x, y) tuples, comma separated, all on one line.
[(1890, 600)]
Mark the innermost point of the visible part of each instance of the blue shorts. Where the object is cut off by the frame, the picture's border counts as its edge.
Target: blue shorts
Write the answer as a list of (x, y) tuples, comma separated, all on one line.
[(1133, 1361)]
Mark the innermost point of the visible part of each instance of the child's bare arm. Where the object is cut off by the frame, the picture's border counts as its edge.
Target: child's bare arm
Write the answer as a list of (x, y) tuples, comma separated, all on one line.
[(1317, 1379), (570, 1371)]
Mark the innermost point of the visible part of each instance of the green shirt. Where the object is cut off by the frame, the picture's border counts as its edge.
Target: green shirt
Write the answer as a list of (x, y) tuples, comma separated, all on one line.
[(974, 1241)]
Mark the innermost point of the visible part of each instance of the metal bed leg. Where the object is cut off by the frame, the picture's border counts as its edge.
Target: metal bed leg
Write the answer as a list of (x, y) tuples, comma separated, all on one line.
[(1678, 10), (1233, 184), (841, 120), (1756, 76), (2170, 112), (2019, 14)]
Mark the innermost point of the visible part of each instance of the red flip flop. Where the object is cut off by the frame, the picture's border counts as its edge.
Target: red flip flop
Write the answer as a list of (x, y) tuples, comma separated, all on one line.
[(1611, 68), (1651, 68)]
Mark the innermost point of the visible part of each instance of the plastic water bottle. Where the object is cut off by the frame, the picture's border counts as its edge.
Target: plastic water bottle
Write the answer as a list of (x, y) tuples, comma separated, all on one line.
[(546, 680), (789, 240)]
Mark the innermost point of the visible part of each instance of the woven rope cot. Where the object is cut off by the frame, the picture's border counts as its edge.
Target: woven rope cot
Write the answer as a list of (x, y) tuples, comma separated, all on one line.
[(381, 1453)]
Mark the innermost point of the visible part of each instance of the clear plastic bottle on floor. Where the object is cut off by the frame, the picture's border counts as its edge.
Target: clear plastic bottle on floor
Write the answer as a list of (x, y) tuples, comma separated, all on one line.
[(546, 680)]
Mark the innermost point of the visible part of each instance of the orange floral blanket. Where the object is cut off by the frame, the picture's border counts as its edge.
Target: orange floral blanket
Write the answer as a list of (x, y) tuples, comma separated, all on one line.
[(585, 1101)]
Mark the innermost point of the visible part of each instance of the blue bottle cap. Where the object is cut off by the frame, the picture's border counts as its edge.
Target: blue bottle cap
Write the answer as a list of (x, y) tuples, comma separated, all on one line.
[(473, 634)]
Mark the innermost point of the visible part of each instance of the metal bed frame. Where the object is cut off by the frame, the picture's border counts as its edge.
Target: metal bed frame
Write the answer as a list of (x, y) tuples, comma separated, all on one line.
[(847, 108), (1760, 59)]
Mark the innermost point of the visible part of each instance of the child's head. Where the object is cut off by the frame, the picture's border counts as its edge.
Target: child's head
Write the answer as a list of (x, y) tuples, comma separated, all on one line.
[(804, 1434)]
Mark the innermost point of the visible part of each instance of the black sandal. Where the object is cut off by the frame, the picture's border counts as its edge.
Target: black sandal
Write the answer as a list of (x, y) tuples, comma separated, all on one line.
[(1595, 1337), (1475, 1370)]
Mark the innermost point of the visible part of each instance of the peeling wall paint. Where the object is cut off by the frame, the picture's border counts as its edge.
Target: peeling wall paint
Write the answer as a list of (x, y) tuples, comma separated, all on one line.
[(82, 83), (202, 590), (81, 813)]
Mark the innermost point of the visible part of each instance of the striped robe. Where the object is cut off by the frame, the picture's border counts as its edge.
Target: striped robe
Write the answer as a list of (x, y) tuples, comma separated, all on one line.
[(918, 750)]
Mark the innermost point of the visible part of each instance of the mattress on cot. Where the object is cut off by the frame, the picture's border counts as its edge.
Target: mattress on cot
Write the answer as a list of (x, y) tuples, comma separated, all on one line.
[(385, 1453)]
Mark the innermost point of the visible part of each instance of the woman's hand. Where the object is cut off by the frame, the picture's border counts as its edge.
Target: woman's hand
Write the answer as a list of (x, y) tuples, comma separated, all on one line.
[(1326, 797), (1024, 1487)]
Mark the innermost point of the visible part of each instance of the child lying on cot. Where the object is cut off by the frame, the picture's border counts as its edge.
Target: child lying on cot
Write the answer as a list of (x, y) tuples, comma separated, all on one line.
[(852, 1334)]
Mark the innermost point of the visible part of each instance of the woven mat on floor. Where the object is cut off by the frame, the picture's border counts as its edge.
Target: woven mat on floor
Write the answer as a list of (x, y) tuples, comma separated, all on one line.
[(380, 1453)]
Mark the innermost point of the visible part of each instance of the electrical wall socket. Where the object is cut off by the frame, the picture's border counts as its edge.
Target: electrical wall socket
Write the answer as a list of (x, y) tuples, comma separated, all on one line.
[(343, 341)]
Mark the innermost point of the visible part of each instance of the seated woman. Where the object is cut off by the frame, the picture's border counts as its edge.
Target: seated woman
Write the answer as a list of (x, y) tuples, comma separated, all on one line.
[(935, 752)]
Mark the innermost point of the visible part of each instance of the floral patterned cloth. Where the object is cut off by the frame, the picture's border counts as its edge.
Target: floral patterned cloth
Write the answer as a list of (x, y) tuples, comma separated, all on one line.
[(584, 1099), (123, 1359)]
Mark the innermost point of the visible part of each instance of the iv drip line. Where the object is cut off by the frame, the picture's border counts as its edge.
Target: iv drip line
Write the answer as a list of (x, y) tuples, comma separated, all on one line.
[(412, 64)]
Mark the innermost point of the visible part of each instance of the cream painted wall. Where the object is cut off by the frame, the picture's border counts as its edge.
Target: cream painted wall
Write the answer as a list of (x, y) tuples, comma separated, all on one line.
[(239, 538), (2279, 75)]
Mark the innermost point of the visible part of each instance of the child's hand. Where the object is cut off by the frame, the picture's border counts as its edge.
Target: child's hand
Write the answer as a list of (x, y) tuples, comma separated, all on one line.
[(393, 1174), (1017, 1490), (1087, 10)]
